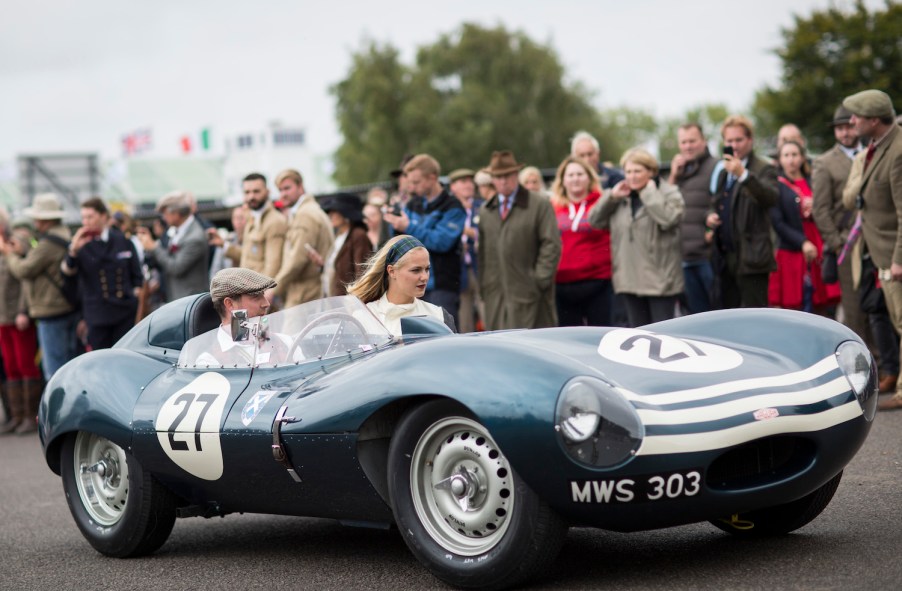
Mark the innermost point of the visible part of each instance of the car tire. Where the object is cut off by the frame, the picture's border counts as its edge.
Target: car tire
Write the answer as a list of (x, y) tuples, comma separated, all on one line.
[(781, 519), (118, 506), (461, 508)]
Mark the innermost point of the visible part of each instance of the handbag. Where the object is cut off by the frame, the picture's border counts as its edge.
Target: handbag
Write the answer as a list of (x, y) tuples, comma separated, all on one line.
[(829, 268)]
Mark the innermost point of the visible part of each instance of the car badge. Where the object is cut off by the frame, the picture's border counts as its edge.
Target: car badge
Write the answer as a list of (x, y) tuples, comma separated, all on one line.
[(255, 405), (763, 414)]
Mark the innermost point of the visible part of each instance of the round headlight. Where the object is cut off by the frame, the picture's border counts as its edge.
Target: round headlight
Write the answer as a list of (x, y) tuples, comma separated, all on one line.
[(856, 363), (595, 424)]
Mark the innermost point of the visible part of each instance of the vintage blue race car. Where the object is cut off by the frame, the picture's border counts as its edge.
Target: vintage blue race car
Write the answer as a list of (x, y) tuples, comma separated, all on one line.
[(482, 449)]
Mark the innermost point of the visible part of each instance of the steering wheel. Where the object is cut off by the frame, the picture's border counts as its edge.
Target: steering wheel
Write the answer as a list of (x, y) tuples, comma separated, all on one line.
[(342, 317)]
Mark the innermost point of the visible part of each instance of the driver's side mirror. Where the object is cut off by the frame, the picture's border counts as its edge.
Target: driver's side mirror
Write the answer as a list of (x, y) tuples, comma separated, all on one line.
[(240, 329)]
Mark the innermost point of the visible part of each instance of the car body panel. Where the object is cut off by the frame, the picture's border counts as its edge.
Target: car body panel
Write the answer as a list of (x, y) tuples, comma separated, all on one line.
[(708, 388)]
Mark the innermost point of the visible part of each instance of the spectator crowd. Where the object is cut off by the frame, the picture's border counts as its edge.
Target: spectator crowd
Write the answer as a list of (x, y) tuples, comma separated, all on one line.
[(496, 247)]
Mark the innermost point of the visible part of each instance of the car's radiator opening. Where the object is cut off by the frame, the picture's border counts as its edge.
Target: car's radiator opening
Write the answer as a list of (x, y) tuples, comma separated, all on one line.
[(760, 462)]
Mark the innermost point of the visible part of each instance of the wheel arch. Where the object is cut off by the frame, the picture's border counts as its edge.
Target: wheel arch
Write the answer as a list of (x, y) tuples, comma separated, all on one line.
[(374, 438), (86, 395)]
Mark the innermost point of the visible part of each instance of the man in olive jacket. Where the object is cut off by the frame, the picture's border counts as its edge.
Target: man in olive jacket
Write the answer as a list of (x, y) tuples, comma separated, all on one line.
[(39, 272), (746, 189), (519, 250)]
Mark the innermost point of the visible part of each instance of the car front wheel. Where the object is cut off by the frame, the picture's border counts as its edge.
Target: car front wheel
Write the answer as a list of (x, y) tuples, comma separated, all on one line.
[(461, 507), (781, 519), (118, 506)]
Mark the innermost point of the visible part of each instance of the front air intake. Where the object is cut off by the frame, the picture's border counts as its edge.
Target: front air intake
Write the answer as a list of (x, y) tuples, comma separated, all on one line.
[(760, 462)]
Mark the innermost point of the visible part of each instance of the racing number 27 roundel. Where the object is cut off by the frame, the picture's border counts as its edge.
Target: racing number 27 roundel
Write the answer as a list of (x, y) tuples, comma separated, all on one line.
[(188, 426), (641, 348)]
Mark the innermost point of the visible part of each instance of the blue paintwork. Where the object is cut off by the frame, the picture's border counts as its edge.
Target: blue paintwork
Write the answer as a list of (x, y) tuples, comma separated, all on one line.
[(509, 380)]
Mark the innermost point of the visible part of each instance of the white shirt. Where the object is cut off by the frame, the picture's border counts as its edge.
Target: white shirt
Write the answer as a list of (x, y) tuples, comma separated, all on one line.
[(390, 314)]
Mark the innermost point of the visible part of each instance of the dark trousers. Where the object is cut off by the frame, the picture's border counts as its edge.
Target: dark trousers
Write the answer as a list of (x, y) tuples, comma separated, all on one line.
[(583, 303), (104, 337), (887, 342), (642, 310), (742, 291), (447, 299)]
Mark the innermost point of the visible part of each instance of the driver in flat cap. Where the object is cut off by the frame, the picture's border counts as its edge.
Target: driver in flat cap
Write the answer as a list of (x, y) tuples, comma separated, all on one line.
[(235, 288), (875, 189)]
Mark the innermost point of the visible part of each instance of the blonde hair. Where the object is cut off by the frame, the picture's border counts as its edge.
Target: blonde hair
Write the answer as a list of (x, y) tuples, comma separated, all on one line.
[(425, 163), (642, 157), (559, 195), (373, 282), (738, 121), (531, 170), (289, 173)]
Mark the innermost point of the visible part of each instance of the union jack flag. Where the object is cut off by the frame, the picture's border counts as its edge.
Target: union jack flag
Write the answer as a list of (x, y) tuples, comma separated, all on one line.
[(137, 142)]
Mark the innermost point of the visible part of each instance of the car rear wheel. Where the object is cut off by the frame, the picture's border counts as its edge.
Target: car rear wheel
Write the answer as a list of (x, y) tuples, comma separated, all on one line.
[(781, 519), (118, 506), (461, 507)]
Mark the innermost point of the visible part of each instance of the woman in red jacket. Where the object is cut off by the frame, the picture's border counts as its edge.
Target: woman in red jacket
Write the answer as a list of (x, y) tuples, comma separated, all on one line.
[(583, 282)]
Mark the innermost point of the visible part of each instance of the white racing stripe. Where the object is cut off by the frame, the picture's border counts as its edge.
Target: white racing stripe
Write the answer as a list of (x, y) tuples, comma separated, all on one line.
[(696, 442), (820, 368), (732, 408)]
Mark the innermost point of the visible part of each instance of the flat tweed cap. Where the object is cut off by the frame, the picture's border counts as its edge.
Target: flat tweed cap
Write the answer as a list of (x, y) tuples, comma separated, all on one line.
[(870, 103), (237, 281)]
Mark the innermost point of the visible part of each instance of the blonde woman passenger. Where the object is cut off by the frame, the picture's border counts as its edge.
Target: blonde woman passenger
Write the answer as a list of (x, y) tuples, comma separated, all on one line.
[(393, 281)]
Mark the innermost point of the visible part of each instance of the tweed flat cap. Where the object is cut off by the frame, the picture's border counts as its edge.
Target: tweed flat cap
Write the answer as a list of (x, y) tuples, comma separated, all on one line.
[(870, 103), (175, 200), (841, 116), (237, 281), (460, 173)]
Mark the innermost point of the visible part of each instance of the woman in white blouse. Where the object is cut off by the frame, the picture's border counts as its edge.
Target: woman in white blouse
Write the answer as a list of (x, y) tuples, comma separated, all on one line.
[(393, 282)]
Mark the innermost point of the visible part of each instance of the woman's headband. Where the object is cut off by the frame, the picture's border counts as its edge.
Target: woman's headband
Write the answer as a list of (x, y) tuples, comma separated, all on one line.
[(400, 248)]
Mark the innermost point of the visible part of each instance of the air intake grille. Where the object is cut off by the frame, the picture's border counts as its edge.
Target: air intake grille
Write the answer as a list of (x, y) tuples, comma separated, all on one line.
[(760, 462)]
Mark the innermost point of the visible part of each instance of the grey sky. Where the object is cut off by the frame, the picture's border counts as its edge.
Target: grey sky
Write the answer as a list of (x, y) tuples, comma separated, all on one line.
[(76, 76)]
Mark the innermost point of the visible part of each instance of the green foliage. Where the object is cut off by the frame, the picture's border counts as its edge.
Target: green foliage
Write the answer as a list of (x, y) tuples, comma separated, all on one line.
[(826, 57), (473, 91)]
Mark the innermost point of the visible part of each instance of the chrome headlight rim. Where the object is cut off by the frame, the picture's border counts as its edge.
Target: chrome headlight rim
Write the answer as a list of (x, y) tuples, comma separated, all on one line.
[(605, 441), (858, 367)]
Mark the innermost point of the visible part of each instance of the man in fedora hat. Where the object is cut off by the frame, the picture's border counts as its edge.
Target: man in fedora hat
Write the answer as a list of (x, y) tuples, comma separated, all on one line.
[(519, 251), (39, 272), (352, 245), (834, 222), (875, 189)]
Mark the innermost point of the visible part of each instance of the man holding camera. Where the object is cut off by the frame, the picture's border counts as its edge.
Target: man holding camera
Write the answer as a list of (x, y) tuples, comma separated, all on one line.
[(436, 218), (745, 191)]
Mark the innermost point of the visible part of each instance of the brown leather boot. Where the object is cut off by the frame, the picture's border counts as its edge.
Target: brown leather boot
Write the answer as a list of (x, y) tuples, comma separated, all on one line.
[(15, 396), (32, 390)]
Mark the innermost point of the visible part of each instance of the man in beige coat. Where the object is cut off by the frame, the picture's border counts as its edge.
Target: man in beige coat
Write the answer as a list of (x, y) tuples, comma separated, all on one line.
[(519, 251), (309, 229), (875, 188), (263, 238)]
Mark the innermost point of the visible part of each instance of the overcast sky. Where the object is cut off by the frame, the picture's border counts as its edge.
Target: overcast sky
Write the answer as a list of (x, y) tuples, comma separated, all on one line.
[(75, 76)]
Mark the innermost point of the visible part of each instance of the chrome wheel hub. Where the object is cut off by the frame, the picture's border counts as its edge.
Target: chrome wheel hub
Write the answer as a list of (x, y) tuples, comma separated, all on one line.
[(462, 487), (101, 477)]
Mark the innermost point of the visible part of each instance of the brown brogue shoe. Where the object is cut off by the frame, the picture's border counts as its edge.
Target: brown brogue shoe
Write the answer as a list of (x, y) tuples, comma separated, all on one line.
[(887, 383)]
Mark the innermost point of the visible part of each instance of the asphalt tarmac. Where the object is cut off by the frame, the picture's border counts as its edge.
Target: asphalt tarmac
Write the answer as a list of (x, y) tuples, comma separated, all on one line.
[(854, 544)]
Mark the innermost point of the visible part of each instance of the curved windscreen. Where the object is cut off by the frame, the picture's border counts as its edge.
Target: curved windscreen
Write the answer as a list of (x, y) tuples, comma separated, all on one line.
[(315, 330)]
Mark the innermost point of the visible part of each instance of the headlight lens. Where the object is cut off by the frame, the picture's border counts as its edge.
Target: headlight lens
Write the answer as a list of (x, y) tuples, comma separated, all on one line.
[(595, 424), (856, 363)]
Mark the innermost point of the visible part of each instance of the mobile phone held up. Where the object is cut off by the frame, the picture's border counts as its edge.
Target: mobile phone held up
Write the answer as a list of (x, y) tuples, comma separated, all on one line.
[(728, 150)]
